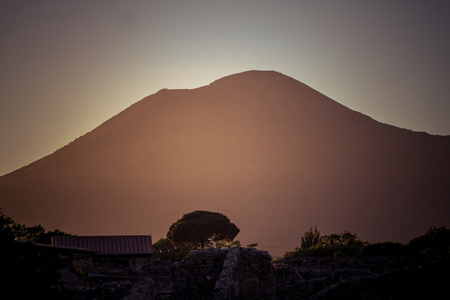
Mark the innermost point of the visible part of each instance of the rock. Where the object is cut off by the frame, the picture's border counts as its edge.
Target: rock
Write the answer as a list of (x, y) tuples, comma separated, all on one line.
[(376, 277)]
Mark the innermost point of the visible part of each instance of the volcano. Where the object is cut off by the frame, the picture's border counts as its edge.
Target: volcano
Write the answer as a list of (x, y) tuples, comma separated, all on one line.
[(269, 152)]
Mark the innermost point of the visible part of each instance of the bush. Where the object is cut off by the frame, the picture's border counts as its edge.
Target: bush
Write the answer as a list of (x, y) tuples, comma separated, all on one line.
[(312, 244), (435, 242), (164, 249), (311, 238), (386, 248), (321, 250)]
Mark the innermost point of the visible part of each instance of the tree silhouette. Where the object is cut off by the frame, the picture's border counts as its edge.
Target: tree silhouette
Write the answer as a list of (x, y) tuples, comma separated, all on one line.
[(310, 238), (199, 227)]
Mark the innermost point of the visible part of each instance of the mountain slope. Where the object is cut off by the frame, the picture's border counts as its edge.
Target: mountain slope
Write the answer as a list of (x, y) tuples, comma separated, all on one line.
[(266, 150)]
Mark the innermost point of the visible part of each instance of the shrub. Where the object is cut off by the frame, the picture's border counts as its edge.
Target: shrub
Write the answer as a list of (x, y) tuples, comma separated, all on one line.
[(164, 249), (435, 242), (385, 248), (312, 244)]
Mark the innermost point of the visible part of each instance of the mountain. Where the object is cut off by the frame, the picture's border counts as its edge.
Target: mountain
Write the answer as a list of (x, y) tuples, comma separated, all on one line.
[(269, 152)]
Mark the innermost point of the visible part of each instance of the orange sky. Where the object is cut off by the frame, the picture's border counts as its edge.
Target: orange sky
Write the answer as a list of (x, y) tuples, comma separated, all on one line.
[(67, 66)]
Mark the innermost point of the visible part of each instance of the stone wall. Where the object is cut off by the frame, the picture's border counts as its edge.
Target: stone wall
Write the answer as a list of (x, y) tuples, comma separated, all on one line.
[(365, 277), (105, 282), (290, 283), (139, 261), (242, 273), (247, 274), (195, 276), (238, 273)]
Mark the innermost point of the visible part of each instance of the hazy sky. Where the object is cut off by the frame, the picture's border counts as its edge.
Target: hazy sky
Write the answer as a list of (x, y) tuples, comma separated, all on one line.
[(68, 66)]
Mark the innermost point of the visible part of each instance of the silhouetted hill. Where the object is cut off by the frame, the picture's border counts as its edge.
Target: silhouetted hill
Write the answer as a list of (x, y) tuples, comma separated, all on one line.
[(269, 152)]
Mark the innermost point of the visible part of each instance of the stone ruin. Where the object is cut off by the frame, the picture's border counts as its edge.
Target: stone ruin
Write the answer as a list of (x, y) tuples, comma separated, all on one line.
[(245, 273), (237, 273)]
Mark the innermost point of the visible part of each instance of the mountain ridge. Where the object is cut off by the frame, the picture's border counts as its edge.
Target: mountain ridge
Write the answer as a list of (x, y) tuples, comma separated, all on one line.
[(257, 145)]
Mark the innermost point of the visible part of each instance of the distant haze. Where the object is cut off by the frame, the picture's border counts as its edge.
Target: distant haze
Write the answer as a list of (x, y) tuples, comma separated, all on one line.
[(269, 152)]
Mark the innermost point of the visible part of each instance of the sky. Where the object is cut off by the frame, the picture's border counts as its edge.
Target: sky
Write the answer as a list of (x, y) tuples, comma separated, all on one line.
[(68, 66)]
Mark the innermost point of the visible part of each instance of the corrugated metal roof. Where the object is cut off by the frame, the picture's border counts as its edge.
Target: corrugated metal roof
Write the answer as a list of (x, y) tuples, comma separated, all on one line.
[(108, 245)]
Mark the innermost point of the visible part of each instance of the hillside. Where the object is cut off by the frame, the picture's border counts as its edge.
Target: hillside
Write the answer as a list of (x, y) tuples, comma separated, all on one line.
[(269, 152)]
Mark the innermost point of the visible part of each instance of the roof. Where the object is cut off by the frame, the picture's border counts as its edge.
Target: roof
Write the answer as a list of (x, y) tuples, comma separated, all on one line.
[(66, 248), (108, 245)]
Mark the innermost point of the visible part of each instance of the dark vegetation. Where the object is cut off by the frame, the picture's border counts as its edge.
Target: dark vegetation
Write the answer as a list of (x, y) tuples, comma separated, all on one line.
[(197, 230), (10, 230), (435, 242), (27, 271), (164, 250)]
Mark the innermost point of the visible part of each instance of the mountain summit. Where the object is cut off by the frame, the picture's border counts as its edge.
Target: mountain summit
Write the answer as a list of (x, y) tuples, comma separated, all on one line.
[(269, 152)]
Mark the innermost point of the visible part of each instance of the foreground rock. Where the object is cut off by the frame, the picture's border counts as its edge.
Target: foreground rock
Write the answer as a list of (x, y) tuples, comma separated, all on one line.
[(243, 273), (106, 281), (369, 277), (238, 273)]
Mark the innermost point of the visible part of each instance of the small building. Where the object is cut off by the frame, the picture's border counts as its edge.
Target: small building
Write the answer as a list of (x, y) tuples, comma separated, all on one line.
[(129, 250)]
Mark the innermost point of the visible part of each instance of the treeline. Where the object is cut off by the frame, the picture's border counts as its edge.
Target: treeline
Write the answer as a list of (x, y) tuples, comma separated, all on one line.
[(12, 231), (28, 271), (434, 242)]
